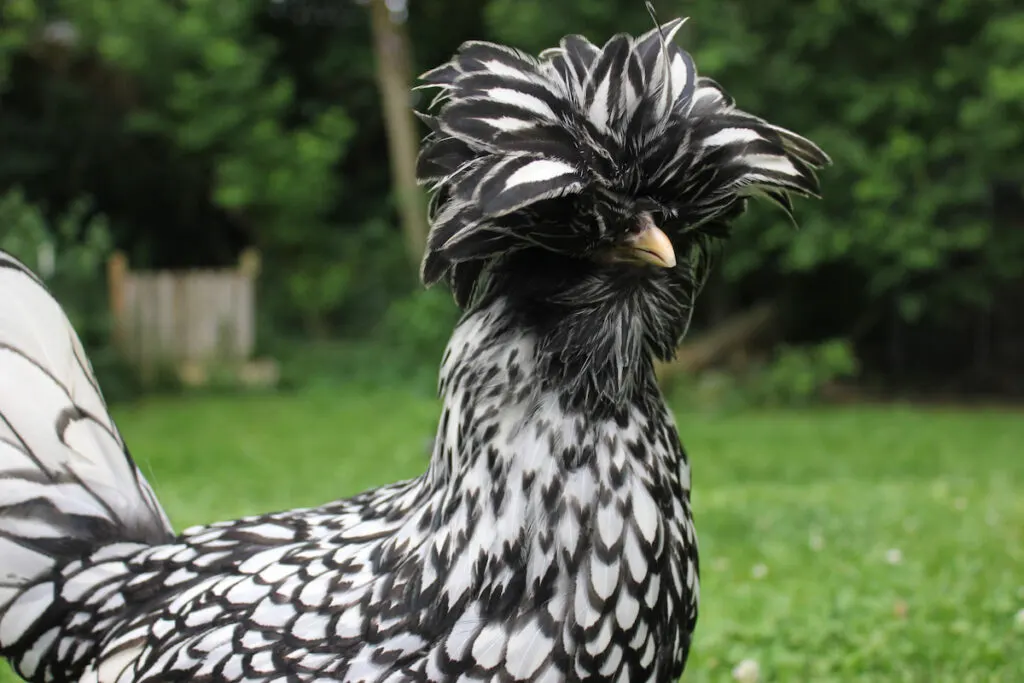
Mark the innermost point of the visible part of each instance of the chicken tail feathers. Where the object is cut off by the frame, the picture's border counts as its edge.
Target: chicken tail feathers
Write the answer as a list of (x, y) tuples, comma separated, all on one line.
[(68, 485)]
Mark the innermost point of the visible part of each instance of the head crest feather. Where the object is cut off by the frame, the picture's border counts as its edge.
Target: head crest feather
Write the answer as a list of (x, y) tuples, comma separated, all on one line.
[(532, 151)]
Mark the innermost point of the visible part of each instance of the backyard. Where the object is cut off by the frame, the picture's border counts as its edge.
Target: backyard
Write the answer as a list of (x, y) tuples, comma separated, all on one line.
[(226, 194), (858, 544)]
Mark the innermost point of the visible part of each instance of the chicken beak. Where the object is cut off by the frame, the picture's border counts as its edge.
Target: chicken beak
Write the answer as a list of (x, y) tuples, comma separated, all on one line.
[(652, 246)]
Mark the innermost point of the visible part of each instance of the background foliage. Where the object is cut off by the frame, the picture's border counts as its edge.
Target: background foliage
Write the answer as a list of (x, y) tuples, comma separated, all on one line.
[(184, 132)]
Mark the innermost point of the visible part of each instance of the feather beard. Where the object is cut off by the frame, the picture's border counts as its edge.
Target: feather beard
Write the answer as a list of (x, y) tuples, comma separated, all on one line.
[(515, 134)]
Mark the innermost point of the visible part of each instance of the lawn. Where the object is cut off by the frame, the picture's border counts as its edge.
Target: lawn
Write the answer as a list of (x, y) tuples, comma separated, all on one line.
[(869, 544)]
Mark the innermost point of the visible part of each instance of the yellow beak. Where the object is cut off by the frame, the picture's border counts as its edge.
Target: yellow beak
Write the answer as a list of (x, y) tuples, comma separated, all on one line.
[(652, 246)]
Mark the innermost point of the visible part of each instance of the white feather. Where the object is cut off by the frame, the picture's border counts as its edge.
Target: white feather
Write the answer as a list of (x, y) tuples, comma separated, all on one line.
[(502, 69), (111, 669), (730, 136), (539, 171), (508, 124), (24, 610), (518, 98), (528, 647), (680, 76), (770, 162), (599, 107)]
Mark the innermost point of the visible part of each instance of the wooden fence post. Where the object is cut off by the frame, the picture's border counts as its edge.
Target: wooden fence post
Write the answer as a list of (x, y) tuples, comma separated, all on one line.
[(117, 271), (249, 263)]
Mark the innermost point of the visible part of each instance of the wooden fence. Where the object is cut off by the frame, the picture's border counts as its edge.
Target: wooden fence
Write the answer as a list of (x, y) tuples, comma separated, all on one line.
[(187, 321)]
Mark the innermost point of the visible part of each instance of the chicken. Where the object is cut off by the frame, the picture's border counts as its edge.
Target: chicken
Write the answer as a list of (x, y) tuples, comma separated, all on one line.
[(551, 538)]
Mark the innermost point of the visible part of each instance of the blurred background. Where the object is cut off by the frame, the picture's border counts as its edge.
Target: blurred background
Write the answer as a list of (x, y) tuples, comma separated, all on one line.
[(222, 195)]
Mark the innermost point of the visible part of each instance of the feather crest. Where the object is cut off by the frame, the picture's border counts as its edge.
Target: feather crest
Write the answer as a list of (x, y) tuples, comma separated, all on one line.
[(614, 125)]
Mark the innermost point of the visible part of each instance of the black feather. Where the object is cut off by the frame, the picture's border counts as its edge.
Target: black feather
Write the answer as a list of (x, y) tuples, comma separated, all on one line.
[(440, 158), (579, 55)]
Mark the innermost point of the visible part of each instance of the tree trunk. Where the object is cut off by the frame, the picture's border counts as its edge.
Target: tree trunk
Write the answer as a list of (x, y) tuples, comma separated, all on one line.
[(394, 79)]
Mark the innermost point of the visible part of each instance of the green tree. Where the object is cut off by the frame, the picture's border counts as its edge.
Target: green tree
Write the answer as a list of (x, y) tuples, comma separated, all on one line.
[(200, 85)]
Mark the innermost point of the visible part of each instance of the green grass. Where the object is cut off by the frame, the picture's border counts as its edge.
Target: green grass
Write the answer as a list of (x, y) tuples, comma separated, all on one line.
[(801, 516)]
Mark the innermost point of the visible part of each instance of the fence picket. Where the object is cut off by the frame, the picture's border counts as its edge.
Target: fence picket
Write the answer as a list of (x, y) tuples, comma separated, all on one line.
[(171, 318)]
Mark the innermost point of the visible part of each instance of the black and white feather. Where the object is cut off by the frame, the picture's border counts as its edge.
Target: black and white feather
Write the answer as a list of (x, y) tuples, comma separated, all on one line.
[(552, 150), (67, 483), (550, 539)]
